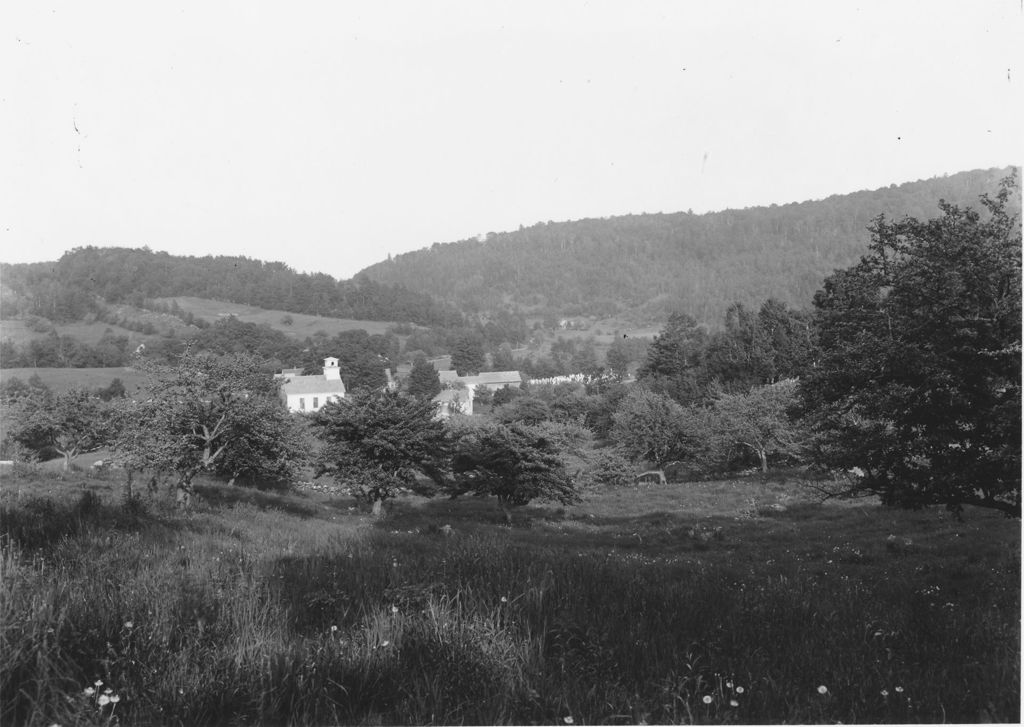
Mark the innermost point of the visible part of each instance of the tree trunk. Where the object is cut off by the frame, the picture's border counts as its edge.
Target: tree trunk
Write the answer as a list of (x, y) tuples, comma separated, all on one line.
[(129, 493), (377, 503), (505, 510), (67, 460), (183, 495), (764, 460)]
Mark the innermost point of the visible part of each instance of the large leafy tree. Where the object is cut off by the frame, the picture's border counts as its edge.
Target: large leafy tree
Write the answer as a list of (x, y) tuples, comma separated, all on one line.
[(651, 427), (515, 463), (424, 381), (378, 442), (138, 446), (919, 373), (468, 356), (756, 421), (674, 364), (270, 445), (208, 412), (70, 423)]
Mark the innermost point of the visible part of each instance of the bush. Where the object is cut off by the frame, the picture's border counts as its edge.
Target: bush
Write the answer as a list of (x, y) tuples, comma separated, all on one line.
[(608, 468)]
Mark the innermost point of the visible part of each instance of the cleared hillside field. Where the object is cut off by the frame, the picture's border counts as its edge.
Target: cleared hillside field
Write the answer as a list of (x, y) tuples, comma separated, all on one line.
[(90, 333), (61, 380), (739, 601), (302, 325)]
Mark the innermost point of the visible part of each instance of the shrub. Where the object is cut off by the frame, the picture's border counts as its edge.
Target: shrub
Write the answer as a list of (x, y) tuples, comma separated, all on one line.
[(608, 468)]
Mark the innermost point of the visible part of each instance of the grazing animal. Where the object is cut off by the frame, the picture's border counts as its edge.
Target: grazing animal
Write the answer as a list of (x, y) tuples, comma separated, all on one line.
[(651, 476)]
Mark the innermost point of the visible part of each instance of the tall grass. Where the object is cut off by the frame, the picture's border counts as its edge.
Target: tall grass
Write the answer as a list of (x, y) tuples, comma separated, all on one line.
[(253, 615)]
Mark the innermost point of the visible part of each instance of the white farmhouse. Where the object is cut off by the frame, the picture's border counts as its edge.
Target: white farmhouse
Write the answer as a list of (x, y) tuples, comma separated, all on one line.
[(490, 380), (459, 392), (454, 401), (309, 393)]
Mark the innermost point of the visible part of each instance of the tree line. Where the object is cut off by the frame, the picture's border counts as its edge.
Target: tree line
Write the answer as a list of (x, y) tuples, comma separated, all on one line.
[(85, 278), (644, 266)]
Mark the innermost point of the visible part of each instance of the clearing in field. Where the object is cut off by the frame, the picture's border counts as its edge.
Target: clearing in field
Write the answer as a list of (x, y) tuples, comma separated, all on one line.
[(740, 601)]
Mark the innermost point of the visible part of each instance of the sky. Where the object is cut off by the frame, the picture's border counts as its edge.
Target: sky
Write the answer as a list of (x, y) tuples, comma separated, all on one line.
[(330, 135)]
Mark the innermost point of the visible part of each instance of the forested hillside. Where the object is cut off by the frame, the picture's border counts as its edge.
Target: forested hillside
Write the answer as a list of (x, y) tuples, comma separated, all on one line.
[(84, 278), (646, 265)]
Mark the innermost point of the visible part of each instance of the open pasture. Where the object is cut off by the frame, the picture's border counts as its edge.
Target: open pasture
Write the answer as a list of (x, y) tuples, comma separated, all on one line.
[(741, 601), (61, 380), (301, 326), (20, 334)]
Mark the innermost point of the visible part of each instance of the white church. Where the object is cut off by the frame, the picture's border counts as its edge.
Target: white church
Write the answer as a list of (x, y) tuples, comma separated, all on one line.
[(306, 394)]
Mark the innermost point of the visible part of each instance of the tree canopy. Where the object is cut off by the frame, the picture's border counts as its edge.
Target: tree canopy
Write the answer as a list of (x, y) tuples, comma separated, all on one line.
[(918, 380), (377, 442), (208, 413), (424, 381), (514, 462), (69, 423), (652, 427), (645, 265), (757, 421)]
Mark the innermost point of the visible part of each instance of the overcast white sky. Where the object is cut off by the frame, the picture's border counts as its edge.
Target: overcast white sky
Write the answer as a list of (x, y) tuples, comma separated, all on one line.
[(328, 135)]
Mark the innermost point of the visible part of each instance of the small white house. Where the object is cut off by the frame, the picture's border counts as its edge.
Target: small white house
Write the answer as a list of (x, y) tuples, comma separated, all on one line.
[(454, 401), (306, 394)]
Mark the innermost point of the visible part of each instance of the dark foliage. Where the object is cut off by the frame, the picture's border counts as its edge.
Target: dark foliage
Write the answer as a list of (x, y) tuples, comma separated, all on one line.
[(468, 353), (84, 278), (63, 351), (424, 380), (376, 442), (514, 462), (918, 384), (650, 264)]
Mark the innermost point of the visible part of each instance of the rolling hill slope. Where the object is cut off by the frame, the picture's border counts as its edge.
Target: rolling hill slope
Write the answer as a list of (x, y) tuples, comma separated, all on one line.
[(296, 325), (640, 266)]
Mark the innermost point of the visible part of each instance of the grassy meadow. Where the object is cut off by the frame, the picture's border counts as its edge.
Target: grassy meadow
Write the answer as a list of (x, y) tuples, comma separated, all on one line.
[(302, 324), (62, 380), (740, 601)]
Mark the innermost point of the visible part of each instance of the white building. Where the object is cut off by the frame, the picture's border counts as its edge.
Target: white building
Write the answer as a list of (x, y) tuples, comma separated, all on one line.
[(491, 380), (454, 401), (305, 394)]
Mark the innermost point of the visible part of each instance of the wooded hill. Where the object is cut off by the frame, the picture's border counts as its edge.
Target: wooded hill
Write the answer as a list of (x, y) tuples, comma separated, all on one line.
[(640, 267), (85, 278)]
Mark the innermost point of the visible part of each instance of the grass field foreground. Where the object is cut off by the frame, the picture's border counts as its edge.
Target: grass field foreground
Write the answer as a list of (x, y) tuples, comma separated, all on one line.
[(730, 602)]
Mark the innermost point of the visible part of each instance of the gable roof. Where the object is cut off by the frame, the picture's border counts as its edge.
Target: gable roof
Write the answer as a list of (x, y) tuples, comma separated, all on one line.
[(487, 378), (495, 377), (313, 385)]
